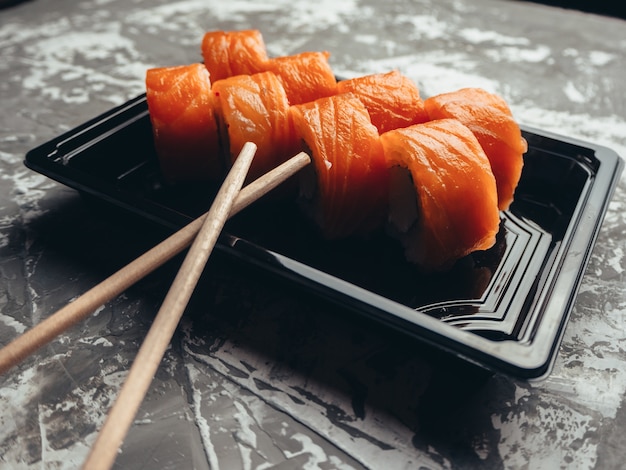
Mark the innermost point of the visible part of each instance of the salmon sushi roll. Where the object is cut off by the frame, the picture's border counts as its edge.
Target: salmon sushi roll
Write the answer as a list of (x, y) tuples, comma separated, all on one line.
[(255, 108), (442, 198), (392, 99), (488, 116), (306, 76), (183, 123), (345, 190), (228, 53)]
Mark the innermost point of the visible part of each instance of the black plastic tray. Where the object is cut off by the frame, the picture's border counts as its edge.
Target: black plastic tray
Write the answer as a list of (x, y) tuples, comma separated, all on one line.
[(504, 309)]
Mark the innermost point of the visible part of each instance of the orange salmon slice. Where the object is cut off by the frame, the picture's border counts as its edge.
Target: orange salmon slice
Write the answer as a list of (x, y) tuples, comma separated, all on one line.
[(306, 76), (453, 187), (255, 108), (392, 99), (183, 122), (350, 174), (489, 117), (228, 53)]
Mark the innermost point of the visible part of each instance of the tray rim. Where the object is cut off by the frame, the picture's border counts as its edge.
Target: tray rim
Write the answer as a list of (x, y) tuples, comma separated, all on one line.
[(522, 359)]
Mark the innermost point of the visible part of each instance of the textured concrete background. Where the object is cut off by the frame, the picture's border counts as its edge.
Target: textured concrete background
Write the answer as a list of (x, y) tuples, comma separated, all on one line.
[(259, 376)]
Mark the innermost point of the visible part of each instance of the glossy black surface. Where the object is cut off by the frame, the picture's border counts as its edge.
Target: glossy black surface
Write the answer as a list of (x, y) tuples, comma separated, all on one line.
[(503, 297)]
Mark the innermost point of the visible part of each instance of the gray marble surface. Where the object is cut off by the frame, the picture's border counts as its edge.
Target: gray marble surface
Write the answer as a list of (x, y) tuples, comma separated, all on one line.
[(259, 376)]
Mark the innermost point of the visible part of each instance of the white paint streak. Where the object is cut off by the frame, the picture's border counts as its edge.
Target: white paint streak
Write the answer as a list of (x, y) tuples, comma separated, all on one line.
[(159, 15), (565, 424), (245, 435), (426, 27), (520, 393), (315, 453), (608, 131), (18, 395), (337, 464), (29, 189), (377, 424), (103, 342), (320, 14), (11, 322), (615, 261), (42, 433), (88, 60), (370, 39), (17, 392), (10, 158), (574, 95), (203, 425), (601, 58), (519, 54), (598, 358), (479, 36)]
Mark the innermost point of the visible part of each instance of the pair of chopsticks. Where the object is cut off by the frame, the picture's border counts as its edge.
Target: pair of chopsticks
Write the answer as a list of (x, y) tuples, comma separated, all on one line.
[(202, 234)]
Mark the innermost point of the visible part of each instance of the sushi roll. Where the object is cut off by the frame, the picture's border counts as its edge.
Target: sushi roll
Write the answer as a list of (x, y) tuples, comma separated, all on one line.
[(183, 123), (306, 76), (228, 53), (490, 119), (442, 193), (345, 190), (255, 108), (392, 99)]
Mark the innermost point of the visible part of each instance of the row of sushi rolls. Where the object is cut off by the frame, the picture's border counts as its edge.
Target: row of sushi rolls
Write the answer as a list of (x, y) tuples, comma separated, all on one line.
[(432, 173)]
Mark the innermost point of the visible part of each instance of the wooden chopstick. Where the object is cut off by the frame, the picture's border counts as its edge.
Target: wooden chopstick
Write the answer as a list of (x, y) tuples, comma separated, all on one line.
[(151, 352), (45, 331)]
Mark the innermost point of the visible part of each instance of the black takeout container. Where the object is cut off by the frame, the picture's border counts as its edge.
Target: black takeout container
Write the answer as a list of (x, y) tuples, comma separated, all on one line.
[(504, 309)]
